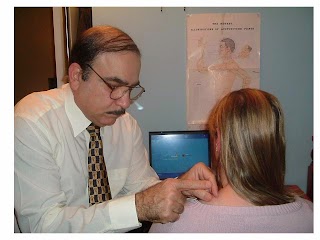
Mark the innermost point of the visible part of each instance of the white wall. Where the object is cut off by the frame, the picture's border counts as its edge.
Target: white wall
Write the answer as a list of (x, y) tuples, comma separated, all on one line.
[(286, 69)]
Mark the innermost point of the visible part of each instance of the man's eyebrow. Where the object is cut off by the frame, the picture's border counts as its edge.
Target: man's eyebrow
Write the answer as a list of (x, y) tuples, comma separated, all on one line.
[(115, 79), (120, 81)]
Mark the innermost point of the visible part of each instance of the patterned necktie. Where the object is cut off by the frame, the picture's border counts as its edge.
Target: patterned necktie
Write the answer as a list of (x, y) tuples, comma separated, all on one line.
[(98, 185)]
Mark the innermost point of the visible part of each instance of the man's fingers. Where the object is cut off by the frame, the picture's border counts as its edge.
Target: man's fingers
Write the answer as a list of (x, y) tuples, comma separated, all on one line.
[(179, 209), (201, 172), (201, 194), (171, 214), (174, 217), (214, 187), (206, 173), (201, 189), (192, 184)]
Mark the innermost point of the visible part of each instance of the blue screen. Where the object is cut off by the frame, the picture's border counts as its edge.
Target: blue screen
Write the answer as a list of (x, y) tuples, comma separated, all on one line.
[(172, 154)]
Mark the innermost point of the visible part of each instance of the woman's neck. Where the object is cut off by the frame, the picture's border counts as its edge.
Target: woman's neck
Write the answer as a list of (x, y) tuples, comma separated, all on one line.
[(228, 197)]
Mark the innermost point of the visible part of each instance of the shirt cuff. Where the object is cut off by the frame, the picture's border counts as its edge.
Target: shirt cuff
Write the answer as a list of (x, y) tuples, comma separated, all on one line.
[(123, 213)]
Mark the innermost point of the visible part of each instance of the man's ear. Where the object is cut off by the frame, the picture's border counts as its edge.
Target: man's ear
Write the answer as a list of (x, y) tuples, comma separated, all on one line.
[(75, 75)]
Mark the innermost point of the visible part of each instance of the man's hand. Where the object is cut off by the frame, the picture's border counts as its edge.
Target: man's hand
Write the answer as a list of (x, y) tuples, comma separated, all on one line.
[(164, 202), (201, 172)]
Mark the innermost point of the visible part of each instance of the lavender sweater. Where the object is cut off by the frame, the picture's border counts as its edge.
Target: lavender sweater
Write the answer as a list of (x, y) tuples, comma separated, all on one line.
[(197, 217)]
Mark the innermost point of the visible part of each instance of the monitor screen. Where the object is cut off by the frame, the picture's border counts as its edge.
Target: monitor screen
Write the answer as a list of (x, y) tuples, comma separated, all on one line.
[(174, 152)]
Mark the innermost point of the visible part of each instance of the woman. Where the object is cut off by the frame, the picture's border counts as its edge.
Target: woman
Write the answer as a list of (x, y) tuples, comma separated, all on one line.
[(248, 144)]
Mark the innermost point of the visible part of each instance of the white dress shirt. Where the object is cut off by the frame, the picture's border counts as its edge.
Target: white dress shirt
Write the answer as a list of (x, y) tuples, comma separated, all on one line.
[(51, 174)]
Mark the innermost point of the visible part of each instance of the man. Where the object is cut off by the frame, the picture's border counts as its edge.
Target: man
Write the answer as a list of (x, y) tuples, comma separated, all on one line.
[(226, 70), (57, 189)]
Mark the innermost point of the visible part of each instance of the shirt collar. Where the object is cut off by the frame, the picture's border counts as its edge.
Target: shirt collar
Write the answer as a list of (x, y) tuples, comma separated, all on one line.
[(78, 120)]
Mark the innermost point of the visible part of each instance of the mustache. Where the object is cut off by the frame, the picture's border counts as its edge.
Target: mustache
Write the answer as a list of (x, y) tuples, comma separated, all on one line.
[(117, 112)]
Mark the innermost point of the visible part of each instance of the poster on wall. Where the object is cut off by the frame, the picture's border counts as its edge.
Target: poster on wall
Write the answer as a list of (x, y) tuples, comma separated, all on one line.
[(223, 55)]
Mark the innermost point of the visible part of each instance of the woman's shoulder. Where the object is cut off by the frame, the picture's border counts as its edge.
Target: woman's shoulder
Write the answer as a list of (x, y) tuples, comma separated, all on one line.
[(307, 204)]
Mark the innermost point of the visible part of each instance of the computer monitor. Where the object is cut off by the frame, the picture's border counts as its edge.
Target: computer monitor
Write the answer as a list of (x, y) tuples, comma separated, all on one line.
[(172, 153)]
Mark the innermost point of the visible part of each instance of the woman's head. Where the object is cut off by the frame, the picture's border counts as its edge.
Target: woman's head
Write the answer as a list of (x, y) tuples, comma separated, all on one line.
[(248, 127)]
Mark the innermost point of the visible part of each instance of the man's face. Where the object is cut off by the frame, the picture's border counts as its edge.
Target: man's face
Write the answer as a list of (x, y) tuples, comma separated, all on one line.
[(223, 49), (93, 95)]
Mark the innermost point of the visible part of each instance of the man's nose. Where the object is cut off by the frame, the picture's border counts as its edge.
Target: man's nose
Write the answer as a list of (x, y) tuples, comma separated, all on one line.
[(124, 101)]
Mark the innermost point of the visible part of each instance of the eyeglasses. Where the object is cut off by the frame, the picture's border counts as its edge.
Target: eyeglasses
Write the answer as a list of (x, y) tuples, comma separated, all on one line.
[(119, 91)]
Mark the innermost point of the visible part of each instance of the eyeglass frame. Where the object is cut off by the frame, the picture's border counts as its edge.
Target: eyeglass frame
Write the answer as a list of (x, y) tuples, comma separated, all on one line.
[(112, 88)]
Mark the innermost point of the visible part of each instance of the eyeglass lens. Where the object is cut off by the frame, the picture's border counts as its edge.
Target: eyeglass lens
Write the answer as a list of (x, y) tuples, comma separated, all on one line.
[(120, 91)]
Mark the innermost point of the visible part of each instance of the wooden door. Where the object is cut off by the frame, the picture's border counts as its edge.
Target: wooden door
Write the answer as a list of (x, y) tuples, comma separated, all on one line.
[(34, 56)]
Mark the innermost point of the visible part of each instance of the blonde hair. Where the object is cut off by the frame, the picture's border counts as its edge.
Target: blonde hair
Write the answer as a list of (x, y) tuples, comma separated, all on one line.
[(253, 146)]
